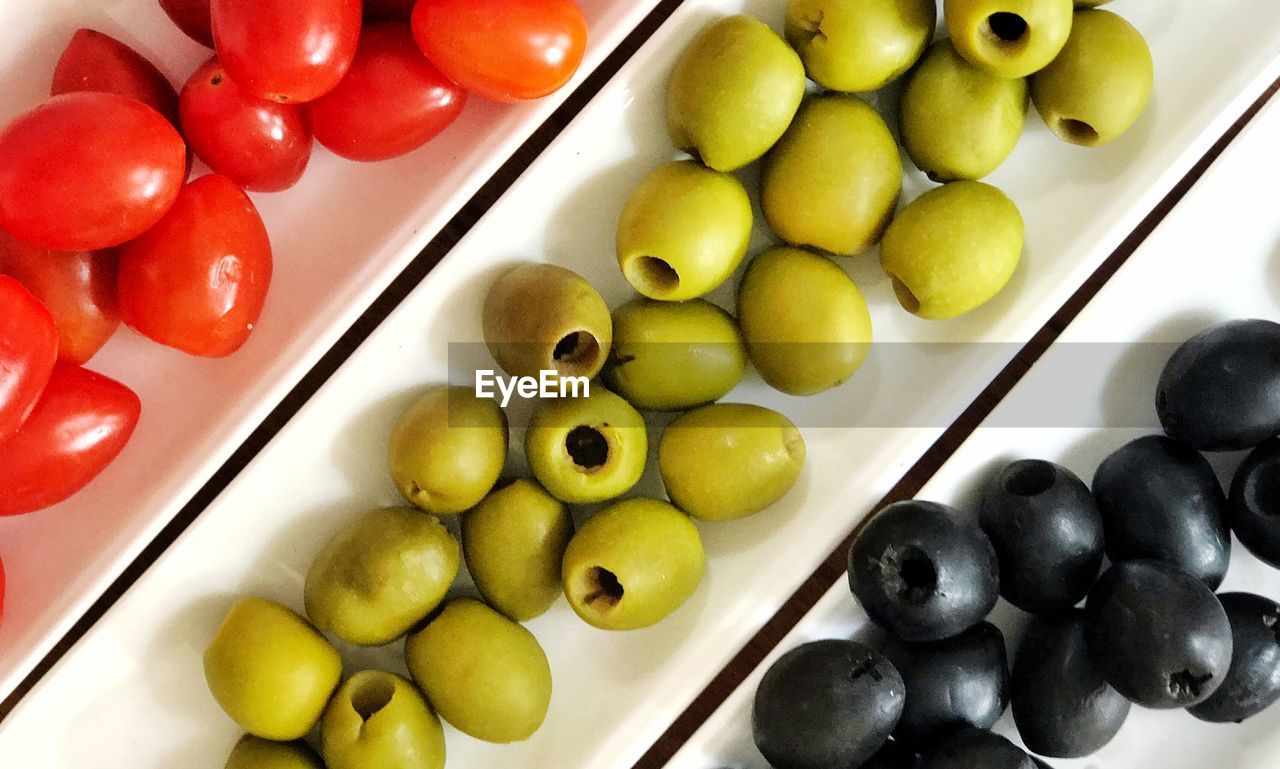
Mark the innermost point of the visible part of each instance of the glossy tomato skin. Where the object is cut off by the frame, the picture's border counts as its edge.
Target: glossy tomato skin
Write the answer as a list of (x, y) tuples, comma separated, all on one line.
[(392, 100), (87, 171), (78, 427), (28, 349), (505, 50), (197, 280), (93, 61), (192, 17), (259, 144), (286, 50), (77, 287)]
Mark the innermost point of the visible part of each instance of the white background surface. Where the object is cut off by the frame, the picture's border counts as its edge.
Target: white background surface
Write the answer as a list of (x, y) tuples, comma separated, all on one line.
[(1215, 258), (132, 693), (339, 238)]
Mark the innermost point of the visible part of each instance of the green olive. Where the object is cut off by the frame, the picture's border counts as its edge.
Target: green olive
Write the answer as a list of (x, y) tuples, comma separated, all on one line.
[(448, 449), (733, 92), (513, 542), (1090, 3), (806, 324), (1099, 85), (729, 460), (632, 564), (1010, 38), (485, 674), (683, 232), (270, 670), (256, 753), (833, 181), (381, 575), (952, 249), (587, 449), (959, 121), (542, 317), (670, 356), (859, 45), (378, 720)]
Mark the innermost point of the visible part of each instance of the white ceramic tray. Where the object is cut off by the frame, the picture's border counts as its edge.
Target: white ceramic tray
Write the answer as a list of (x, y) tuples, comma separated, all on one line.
[(131, 692), (339, 238), (1216, 257)]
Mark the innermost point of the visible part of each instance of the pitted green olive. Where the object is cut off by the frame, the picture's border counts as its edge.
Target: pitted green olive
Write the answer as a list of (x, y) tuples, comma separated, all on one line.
[(513, 542), (448, 450), (381, 575), (733, 92), (669, 356), (729, 460)]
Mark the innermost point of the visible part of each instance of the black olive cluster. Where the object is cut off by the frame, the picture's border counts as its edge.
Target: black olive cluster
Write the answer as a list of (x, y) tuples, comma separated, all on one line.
[(1150, 630)]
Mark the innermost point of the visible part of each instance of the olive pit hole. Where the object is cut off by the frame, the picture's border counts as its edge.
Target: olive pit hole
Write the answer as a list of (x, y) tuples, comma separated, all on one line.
[(909, 301), (576, 352), (604, 591), (372, 696), (1006, 28), (1077, 131), (1029, 478), (1185, 685), (587, 447), (910, 575), (653, 276)]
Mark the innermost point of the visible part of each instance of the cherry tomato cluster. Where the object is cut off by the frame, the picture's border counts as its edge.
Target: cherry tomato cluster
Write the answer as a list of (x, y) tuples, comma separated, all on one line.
[(100, 224)]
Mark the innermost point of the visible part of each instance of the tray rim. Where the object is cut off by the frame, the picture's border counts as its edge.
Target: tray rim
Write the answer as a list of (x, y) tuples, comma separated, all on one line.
[(1138, 209)]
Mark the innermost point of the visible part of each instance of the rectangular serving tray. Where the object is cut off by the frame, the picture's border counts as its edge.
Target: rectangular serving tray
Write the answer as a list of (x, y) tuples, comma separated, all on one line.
[(339, 239), (1215, 257), (132, 692)]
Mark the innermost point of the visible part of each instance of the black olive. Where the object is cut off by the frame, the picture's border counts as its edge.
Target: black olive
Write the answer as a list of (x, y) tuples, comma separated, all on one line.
[(1220, 391), (826, 705), (978, 749), (1062, 703), (1253, 682), (1047, 532), (921, 574), (957, 683), (1160, 635), (1161, 499), (1255, 502)]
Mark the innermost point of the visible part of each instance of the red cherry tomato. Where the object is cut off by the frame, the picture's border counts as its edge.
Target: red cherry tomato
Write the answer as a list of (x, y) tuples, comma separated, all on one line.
[(192, 17), (506, 50), (28, 349), (77, 287), (392, 100), (198, 279), (80, 424), (93, 61), (88, 171), (257, 143), (388, 10), (286, 50)]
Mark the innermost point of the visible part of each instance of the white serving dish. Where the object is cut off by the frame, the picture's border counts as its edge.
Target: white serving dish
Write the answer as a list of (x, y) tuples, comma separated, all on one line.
[(1213, 259), (131, 691), (339, 238)]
